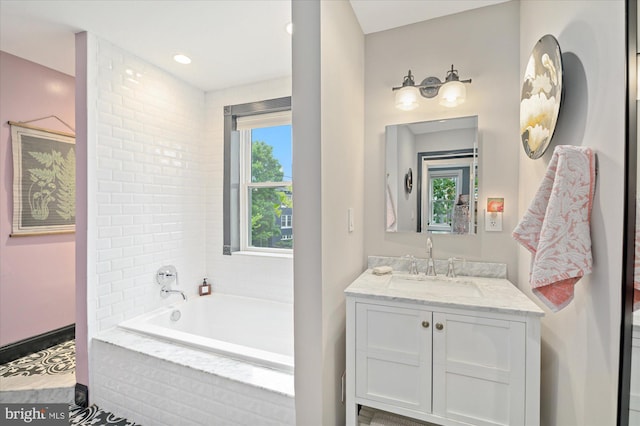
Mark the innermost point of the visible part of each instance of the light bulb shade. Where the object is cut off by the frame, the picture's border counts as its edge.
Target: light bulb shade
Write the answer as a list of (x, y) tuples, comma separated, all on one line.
[(452, 94), (407, 98)]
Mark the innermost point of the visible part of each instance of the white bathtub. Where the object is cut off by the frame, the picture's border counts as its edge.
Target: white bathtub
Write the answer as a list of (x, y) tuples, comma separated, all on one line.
[(252, 330)]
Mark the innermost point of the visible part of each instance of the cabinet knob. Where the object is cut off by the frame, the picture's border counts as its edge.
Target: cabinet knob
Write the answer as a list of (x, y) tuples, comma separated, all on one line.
[(439, 326), (425, 324)]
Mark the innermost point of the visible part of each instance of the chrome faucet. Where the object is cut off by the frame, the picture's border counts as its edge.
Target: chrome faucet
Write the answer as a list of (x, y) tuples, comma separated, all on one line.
[(166, 291), (413, 265), (165, 276), (451, 270), (431, 266)]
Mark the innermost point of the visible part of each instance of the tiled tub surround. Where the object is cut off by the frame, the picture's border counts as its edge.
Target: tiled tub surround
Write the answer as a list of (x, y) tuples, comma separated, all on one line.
[(227, 360), (147, 166), (462, 267), (254, 330), (153, 382)]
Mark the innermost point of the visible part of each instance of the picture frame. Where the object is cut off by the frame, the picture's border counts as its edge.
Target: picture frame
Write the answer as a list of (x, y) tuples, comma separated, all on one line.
[(44, 186)]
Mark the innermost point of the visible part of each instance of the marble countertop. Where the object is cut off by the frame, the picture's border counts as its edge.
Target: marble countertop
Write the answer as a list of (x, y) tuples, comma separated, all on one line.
[(497, 294)]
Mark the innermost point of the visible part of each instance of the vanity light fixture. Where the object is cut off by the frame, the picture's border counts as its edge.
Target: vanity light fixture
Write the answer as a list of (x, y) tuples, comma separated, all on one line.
[(452, 90)]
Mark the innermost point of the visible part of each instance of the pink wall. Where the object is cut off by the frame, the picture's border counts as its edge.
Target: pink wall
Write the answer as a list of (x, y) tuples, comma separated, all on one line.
[(37, 273)]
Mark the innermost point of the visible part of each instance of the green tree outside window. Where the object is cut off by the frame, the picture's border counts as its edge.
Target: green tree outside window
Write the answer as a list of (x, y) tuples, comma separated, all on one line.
[(267, 202)]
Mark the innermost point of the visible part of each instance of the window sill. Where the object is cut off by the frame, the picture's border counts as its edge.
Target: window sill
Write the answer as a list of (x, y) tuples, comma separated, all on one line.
[(263, 254)]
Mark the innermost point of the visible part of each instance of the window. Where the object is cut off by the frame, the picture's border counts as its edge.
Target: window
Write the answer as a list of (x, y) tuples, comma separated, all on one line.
[(257, 187), (285, 221), (266, 201), (447, 191), (444, 189)]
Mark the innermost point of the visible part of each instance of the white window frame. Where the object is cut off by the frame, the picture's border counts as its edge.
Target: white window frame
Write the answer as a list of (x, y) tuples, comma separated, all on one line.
[(430, 175), (289, 224), (244, 126)]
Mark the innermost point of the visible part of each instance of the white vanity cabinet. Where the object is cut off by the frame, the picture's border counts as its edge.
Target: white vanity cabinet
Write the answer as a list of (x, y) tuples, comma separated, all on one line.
[(441, 362)]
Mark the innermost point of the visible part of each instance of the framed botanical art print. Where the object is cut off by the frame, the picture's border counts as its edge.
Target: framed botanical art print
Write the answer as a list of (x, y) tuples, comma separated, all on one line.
[(44, 181)]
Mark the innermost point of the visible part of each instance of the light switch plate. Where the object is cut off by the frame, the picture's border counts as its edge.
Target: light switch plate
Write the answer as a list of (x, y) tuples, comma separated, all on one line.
[(493, 222), (351, 225)]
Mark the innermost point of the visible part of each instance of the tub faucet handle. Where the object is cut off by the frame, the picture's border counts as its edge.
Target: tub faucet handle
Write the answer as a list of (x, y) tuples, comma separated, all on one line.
[(451, 270), (167, 275), (413, 264)]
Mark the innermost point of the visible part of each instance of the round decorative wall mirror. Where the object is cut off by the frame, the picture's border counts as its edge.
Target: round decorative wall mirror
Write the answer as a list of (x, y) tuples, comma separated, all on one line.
[(408, 181)]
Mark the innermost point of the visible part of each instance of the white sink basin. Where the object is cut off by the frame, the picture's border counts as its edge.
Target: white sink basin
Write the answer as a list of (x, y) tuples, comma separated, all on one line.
[(441, 286)]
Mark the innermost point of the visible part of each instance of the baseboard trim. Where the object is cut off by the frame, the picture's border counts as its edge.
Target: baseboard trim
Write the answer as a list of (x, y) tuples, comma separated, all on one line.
[(28, 346), (81, 395)]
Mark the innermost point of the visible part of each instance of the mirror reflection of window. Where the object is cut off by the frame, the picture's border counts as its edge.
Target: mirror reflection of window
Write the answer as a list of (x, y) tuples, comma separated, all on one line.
[(448, 186), (448, 147), (444, 190)]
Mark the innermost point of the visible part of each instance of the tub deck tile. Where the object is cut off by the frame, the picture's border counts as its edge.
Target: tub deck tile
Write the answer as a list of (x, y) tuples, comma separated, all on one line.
[(222, 366)]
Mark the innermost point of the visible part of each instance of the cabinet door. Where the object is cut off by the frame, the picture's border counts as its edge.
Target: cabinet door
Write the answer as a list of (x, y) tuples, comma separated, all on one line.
[(393, 356), (478, 370)]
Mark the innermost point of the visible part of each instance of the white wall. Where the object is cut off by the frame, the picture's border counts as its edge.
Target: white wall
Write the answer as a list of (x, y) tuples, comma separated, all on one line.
[(406, 202), (328, 117), (392, 176), (343, 185), (446, 139), (263, 276), (483, 46), (580, 343)]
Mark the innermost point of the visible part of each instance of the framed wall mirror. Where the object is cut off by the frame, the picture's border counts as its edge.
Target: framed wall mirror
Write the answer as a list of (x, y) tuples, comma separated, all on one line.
[(444, 156), (629, 376)]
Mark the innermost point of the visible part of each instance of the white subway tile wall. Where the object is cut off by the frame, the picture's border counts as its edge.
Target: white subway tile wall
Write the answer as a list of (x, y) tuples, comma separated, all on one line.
[(151, 391), (151, 183)]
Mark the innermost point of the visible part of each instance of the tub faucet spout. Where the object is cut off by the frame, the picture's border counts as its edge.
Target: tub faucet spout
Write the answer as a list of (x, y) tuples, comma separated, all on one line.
[(165, 291)]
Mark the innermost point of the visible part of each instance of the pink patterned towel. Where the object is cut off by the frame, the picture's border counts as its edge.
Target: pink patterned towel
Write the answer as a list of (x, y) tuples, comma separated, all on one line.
[(555, 228)]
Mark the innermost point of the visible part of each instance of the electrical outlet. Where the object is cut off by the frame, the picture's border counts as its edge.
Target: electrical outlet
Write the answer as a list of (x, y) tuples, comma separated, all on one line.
[(493, 222), (342, 384)]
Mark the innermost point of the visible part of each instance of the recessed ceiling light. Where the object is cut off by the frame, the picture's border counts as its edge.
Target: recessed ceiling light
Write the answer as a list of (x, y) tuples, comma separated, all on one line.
[(182, 59), (289, 28)]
